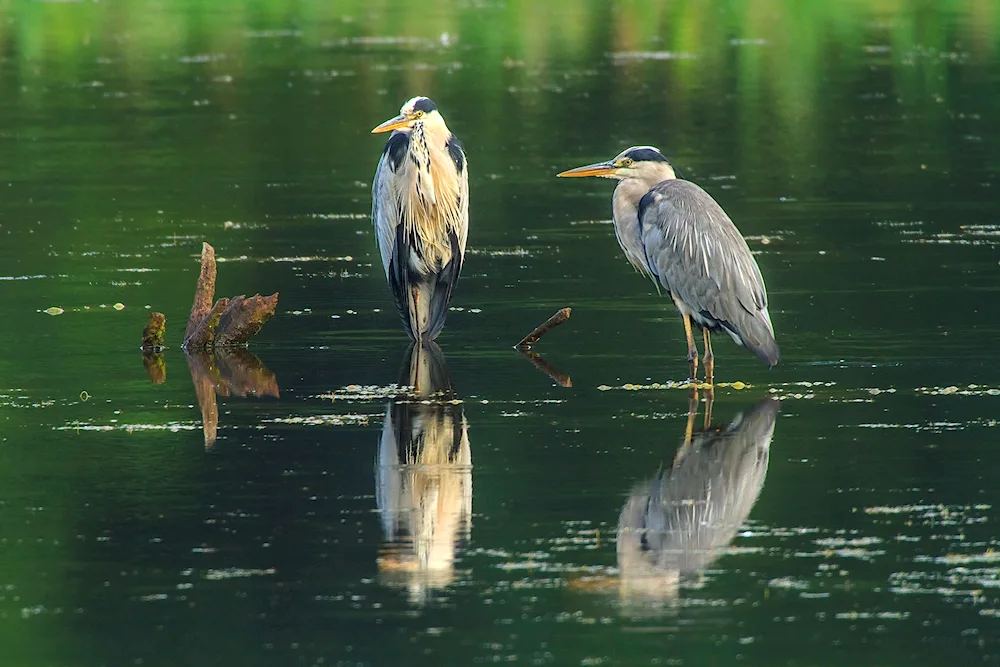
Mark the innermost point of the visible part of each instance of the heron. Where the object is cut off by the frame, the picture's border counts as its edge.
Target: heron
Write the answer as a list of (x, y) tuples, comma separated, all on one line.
[(677, 235), (420, 211)]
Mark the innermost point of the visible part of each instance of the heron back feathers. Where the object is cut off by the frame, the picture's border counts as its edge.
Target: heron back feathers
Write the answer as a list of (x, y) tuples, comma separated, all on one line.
[(695, 252)]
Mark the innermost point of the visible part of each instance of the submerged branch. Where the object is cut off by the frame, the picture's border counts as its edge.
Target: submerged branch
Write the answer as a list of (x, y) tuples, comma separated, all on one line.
[(561, 316)]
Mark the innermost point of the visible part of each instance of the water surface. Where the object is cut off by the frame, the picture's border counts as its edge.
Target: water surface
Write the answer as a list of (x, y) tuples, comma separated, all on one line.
[(854, 144)]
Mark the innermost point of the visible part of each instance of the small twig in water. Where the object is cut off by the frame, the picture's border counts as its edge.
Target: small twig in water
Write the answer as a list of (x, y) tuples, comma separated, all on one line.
[(561, 316)]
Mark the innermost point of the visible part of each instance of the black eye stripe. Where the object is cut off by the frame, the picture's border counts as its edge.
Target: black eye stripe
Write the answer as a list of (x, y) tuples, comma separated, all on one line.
[(424, 104), (645, 155)]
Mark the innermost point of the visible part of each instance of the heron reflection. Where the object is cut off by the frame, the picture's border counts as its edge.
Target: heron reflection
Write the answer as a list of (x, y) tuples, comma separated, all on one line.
[(423, 477), (680, 520)]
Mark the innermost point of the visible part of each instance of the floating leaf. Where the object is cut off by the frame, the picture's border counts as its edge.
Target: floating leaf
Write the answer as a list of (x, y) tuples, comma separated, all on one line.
[(119, 306), (54, 310)]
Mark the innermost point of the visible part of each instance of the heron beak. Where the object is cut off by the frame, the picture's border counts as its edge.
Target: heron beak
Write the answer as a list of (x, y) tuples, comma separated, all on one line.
[(596, 169), (396, 123)]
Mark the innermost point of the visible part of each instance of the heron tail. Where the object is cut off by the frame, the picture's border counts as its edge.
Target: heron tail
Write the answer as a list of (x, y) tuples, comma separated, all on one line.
[(422, 296), (758, 337)]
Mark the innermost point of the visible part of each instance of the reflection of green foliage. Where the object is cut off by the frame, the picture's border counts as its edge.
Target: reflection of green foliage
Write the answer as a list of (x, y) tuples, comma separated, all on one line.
[(777, 54)]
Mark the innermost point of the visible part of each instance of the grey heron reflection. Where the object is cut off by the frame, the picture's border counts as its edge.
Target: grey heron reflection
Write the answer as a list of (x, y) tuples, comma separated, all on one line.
[(423, 477), (681, 519)]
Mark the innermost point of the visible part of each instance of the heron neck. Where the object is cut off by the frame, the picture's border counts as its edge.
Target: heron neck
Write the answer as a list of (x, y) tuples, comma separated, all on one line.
[(625, 206)]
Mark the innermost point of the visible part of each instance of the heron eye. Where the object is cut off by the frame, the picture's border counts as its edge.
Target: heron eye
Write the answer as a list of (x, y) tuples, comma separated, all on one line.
[(419, 114), (627, 162)]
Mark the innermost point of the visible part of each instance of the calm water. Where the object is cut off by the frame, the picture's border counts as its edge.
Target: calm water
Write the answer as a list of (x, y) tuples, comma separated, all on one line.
[(334, 521)]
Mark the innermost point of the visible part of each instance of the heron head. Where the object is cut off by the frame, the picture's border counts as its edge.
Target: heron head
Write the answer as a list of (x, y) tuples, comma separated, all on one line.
[(639, 162), (415, 110)]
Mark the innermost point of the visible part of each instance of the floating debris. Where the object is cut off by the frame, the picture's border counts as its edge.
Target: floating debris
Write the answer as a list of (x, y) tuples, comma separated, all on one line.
[(789, 583), (652, 55), (299, 259), (327, 420), (881, 615), (169, 426), (36, 277), (670, 384), (968, 390), (838, 542), (237, 573), (501, 252), (53, 310), (357, 392)]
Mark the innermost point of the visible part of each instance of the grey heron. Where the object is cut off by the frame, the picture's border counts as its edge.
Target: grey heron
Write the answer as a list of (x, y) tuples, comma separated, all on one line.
[(420, 210), (676, 234)]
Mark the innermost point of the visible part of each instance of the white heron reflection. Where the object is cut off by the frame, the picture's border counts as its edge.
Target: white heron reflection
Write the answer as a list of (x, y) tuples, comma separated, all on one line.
[(423, 477), (683, 518)]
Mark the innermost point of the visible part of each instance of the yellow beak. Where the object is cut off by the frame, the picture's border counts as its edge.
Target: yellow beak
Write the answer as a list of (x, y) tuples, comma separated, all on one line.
[(596, 169), (396, 123)]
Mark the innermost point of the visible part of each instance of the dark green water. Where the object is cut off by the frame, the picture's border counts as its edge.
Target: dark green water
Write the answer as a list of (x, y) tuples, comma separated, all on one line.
[(856, 146)]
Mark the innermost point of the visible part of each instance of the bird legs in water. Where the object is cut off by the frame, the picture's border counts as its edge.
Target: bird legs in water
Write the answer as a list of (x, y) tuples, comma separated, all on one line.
[(692, 348), (708, 361), (415, 312), (693, 403)]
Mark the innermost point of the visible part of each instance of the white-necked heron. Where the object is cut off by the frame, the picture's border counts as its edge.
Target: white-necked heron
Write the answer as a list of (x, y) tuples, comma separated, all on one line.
[(676, 234), (420, 210)]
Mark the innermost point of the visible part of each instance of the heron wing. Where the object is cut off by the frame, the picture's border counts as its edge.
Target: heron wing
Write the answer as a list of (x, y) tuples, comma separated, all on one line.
[(458, 233), (461, 165), (696, 252), (386, 213)]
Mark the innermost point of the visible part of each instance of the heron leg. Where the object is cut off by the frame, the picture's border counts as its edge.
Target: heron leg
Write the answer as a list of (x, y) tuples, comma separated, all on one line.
[(415, 312), (692, 348), (708, 360), (709, 400), (689, 428)]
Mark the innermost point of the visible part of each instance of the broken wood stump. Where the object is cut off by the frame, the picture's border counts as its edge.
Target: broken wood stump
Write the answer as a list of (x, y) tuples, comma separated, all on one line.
[(229, 322), (152, 335), (152, 348)]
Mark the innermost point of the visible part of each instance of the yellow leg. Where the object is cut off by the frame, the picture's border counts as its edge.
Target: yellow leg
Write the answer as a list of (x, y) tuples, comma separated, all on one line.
[(709, 400), (692, 413), (689, 428), (709, 359), (692, 348)]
